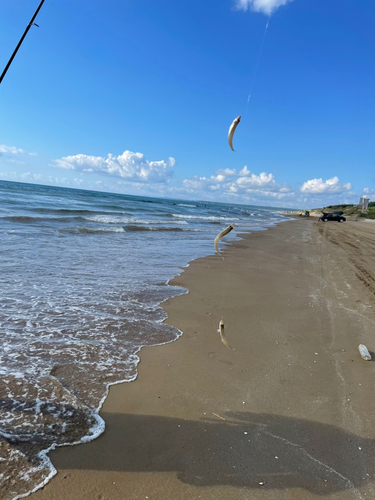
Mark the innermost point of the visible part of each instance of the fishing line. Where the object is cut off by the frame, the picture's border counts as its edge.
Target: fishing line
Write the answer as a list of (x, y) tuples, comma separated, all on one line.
[(224, 274), (235, 122), (223, 279), (222, 291), (223, 326), (257, 64)]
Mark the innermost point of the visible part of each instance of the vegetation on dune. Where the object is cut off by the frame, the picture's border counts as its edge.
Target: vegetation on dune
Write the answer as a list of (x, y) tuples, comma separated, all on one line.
[(351, 210)]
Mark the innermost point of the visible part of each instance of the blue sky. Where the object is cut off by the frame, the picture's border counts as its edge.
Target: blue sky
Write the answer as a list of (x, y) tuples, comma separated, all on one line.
[(137, 96)]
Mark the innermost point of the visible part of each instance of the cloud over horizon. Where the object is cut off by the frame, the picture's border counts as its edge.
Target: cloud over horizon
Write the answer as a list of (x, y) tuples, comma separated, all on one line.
[(130, 166), (369, 193), (132, 173), (265, 6), (11, 150), (330, 186), (244, 184)]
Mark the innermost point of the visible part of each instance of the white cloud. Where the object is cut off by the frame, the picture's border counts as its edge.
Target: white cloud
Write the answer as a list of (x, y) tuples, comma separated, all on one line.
[(252, 181), (244, 172), (130, 166), (318, 186), (35, 178), (244, 184), (369, 193), (226, 171), (11, 150), (265, 6)]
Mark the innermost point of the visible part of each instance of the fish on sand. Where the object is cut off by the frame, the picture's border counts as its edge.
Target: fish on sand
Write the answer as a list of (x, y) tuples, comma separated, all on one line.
[(222, 334)]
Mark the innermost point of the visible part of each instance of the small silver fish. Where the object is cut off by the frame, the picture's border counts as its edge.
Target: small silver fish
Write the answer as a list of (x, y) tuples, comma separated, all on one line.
[(223, 233), (222, 334), (232, 129)]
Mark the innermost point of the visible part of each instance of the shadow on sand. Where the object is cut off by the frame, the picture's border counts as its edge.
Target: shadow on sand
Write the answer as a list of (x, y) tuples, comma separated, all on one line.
[(243, 451)]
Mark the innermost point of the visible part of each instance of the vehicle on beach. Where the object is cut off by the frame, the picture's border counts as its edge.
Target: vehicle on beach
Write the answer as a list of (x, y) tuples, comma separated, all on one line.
[(333, 216)]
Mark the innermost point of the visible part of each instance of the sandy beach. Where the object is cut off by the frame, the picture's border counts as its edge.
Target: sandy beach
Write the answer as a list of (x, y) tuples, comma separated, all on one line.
[(287, 413)]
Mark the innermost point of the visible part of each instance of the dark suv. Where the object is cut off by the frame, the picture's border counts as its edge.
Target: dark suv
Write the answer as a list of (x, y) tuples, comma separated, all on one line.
[(335, 216)]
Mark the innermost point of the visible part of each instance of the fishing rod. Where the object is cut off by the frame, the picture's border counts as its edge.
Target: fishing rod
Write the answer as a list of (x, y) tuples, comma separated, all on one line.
[(31, 23)]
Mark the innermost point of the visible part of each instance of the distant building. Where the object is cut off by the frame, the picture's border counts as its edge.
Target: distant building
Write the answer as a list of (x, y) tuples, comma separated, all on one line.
[(363, 203)]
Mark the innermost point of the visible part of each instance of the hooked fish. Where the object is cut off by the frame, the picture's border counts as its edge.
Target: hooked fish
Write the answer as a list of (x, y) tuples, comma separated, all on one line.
[(222, 334), (232, 129), (223, 233)]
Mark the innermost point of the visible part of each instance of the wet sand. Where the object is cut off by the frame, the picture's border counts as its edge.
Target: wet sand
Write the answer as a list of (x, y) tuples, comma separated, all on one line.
[(288, 413)]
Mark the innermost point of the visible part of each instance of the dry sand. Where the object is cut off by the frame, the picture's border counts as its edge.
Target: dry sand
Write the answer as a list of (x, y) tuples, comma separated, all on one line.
[(287, 414)]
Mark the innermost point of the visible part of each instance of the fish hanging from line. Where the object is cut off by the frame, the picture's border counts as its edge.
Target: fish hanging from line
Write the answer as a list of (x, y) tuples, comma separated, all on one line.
[(222, 334), (232, 129), (223, 233)]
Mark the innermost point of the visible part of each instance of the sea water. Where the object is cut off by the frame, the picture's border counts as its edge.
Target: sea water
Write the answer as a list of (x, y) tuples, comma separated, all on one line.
[(82, 278)]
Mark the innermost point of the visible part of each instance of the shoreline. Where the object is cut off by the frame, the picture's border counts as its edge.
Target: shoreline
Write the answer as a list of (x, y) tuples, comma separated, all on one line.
[(174, 437), (99, 423)]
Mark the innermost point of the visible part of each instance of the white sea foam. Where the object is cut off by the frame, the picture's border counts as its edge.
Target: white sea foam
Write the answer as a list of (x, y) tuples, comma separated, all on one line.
[(110, 229), (111, 219), (203, 218)]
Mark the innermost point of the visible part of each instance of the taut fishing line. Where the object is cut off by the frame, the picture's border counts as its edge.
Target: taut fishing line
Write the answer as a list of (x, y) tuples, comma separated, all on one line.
[(230, 137), (221, 329), (236, 121), (257, 64)]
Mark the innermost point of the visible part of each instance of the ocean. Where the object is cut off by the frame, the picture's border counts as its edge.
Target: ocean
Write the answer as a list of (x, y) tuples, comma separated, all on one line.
[(83, 276)]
